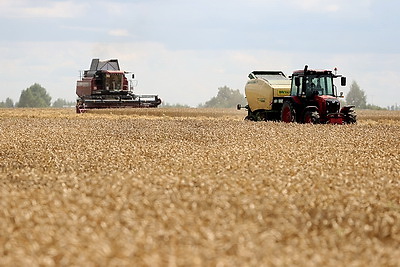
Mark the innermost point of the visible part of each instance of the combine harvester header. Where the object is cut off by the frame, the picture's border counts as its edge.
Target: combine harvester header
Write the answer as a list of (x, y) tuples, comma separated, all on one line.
[(105, 85)]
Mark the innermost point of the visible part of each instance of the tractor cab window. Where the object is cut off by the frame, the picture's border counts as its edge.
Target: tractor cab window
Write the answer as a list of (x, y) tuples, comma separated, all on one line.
[(296, 91), (319, 85)]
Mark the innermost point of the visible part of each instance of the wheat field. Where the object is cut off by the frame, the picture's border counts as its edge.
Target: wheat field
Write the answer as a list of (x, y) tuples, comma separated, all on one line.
[(197, 187)]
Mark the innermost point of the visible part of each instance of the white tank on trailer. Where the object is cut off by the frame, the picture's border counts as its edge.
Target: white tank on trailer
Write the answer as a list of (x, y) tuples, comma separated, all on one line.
[(264, 92)]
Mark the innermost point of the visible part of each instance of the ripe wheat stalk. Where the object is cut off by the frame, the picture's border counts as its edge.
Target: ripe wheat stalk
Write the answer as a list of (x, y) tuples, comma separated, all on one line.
[(196, 187)]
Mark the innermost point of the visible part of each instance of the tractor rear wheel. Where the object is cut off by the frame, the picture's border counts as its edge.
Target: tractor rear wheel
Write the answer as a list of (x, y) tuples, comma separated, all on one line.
[(288, 113), (311, 117)]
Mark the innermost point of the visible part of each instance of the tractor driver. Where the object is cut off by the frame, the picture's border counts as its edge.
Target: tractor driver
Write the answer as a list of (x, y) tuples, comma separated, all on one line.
[(310, 87), (319, 88)]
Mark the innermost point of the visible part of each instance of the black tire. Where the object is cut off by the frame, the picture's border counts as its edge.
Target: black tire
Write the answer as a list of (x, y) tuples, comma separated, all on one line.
[(78, 108), (311, 117), (257, 115), (250, 116), (350, 117), (288, 113)]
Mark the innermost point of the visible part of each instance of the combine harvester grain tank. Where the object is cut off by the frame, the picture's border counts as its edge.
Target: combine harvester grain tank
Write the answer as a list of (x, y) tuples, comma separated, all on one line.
[(105, 85)]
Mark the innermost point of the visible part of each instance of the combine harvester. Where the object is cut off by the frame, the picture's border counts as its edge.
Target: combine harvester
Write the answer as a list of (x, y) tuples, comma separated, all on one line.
[(106, 86), (310, 97)]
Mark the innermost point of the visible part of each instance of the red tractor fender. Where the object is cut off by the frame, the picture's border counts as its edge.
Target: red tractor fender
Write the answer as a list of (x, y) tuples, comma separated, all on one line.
[(346, 109), (309, 108)]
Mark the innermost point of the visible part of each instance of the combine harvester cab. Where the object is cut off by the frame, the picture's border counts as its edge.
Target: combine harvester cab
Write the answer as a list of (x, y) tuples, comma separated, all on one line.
[(265, 92), (313, 99), (106, 86)]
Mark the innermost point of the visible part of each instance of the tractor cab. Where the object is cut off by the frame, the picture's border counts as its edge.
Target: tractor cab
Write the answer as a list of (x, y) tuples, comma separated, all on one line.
[(318, 83), (309, 83)]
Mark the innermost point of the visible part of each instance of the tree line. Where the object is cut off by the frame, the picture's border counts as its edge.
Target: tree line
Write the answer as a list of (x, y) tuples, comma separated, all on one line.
[(35, 96), (227, 97), (358, 98)]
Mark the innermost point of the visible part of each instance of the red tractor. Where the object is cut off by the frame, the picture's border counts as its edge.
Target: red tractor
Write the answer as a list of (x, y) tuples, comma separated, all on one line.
[(313, 99)]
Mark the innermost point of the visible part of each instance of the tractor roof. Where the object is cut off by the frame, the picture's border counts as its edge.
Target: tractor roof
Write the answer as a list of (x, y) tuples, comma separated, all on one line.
[(311, 72)]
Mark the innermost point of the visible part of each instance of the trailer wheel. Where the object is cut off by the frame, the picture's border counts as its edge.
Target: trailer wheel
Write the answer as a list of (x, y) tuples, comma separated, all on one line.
[(288, 113), (253, 116), (259, 115), (248, 118), (311, 117)]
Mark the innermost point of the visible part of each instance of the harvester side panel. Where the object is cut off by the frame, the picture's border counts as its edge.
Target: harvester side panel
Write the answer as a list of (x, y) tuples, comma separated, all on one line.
[(84, 87)]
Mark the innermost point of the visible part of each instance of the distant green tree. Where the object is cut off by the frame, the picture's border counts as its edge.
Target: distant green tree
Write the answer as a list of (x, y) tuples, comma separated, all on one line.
[(34, 97), (60, 103), (356, 96), (226, 98), (7, 104)]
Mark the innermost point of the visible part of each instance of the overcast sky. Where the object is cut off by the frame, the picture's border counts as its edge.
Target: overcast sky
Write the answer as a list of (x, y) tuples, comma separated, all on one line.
[(185, 50)]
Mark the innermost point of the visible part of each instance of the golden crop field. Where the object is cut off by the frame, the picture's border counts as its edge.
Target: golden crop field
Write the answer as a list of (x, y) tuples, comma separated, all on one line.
[(197, 187)]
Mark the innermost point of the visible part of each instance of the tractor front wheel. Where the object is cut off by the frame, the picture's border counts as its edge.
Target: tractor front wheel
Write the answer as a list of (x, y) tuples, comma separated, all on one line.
[(350, 117), (311, 117), (288, 113)]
